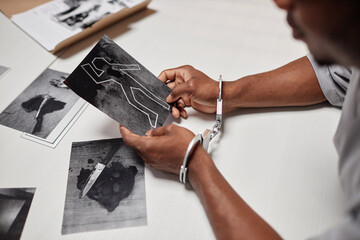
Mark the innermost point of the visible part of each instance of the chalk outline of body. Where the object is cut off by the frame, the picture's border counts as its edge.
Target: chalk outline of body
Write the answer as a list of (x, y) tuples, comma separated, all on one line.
[(122, 67)]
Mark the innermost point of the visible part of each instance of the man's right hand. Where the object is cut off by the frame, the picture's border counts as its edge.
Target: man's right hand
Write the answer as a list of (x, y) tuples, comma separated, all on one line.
[(190, 87)]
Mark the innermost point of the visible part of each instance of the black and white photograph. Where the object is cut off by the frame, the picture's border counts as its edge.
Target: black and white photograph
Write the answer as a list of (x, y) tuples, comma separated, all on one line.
[(14, 208), (132, 3), (53, 22), (53, 139), (3, 70), (84, 13), (41, 106), (115, 199), (114, 82)]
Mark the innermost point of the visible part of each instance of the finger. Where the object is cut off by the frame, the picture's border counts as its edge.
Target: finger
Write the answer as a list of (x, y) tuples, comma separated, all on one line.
[(148, 133), (181, 108), (160, 131), (130, 139), (183, 113), (186, 101), (175, 112), (171, 84), (178, 91), (169, 74), (180, 103)]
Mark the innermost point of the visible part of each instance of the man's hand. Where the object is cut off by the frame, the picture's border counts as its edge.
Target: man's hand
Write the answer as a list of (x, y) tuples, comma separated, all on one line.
[(162, 148), (190, 88)]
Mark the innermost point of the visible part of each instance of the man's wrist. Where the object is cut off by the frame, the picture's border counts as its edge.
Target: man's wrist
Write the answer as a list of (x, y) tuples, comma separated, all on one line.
[(231, 94), (200, 166)]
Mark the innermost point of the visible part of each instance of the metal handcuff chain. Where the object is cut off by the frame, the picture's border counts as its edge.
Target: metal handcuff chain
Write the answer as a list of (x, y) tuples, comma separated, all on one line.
[(204, 138), (208, 134)]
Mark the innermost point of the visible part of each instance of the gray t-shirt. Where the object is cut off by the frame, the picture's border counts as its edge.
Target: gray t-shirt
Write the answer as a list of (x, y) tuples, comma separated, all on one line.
[(337, 82)]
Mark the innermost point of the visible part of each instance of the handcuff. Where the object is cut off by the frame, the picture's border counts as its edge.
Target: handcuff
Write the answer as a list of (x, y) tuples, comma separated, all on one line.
[(205, 138)]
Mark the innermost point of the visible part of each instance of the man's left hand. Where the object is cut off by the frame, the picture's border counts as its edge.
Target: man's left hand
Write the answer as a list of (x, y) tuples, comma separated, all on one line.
[(162, 148)]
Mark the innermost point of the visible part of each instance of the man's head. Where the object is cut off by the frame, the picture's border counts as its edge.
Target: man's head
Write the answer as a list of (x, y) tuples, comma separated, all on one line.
[(330, 28)]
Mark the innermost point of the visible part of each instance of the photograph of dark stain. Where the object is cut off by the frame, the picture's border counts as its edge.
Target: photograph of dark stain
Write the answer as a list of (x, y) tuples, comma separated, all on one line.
[(41, 106), (114, 82), (14, 208), (116, 200), (113, 185)]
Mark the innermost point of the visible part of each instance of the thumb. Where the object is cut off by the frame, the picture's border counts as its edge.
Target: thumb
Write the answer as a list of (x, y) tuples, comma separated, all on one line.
[(178, 91), (130, 139), (159, 131)]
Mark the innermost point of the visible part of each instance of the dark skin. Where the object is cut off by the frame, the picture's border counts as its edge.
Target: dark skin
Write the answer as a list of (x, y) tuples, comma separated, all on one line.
[(294, 84), (229, 214), (192, 88), (330, 28)]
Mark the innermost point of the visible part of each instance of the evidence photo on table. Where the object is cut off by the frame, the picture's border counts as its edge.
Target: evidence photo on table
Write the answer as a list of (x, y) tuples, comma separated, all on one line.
[(114, 82), (40, 108), (53, 22), (116, 199), (84, 13), (14, 208), (3, 70)]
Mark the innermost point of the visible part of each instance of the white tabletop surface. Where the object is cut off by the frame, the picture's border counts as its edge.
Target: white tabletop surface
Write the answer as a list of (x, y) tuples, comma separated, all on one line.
[(281, 160)]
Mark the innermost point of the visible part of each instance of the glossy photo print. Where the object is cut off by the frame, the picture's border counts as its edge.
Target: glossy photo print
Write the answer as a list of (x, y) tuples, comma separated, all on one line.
[(41, 106), (14, 208), (114, 82), (117, 197), (84, 13)]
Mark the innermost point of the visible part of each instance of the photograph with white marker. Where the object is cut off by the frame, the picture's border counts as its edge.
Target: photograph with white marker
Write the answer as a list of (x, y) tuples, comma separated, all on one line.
[(114, 82)]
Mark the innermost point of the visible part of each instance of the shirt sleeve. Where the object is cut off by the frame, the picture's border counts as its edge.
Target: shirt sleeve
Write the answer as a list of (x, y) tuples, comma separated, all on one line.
[(333, 80), (347, 229)]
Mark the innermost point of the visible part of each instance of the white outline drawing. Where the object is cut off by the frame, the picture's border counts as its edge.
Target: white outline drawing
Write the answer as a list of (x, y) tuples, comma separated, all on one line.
[(121, 68)]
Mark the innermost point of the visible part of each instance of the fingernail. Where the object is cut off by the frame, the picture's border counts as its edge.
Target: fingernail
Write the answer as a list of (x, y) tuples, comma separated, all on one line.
[(168, 98), (184, 115)]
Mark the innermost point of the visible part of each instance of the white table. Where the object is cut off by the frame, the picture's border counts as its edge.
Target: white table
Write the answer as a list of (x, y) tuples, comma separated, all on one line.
[(281, 161)]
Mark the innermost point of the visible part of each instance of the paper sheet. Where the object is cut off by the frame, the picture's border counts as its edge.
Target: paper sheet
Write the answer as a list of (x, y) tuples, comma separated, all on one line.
[(44, 109), (38, 24), (118, 197), (53, 22), (14, 208)]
